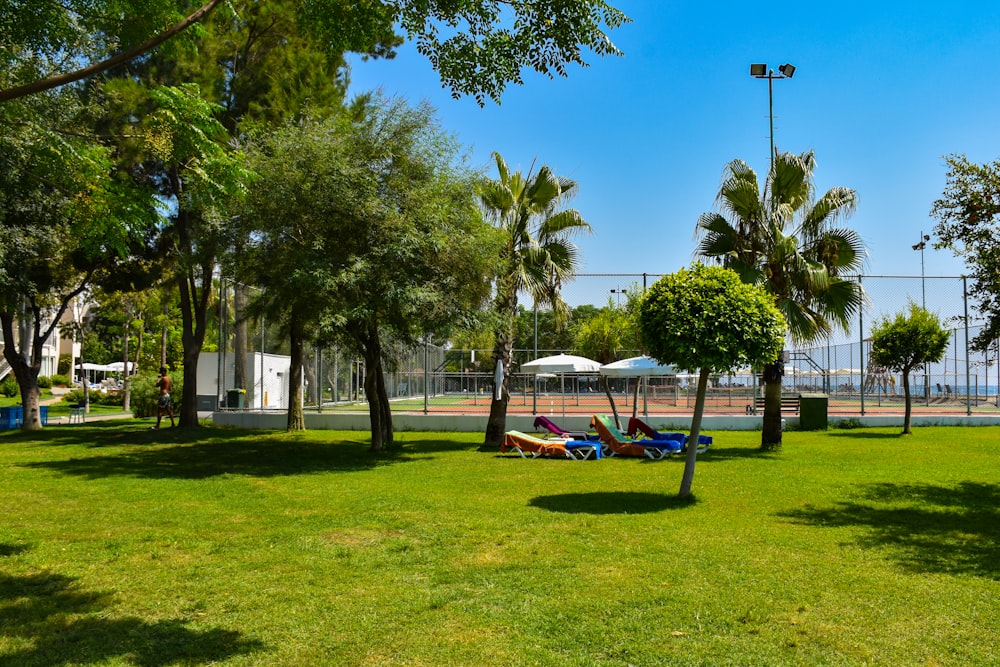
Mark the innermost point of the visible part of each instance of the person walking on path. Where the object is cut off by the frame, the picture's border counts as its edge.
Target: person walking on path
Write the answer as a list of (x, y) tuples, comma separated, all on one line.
[(165, 384)]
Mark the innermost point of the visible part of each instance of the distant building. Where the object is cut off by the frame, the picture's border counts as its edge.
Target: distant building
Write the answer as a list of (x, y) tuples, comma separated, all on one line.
[(267, 379)]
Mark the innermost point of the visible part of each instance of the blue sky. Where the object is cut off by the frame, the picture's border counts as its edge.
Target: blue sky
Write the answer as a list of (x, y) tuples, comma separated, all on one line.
[(881, 93)]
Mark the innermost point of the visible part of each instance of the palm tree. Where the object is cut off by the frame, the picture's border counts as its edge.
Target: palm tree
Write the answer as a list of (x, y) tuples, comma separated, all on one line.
[(536, 258), (787, 242)]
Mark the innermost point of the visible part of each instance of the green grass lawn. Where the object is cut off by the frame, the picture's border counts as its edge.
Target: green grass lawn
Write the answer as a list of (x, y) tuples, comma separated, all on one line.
[(124, 546)]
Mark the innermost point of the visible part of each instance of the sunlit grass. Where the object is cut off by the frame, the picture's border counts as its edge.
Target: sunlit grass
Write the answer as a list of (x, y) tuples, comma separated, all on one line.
[(123, 546)]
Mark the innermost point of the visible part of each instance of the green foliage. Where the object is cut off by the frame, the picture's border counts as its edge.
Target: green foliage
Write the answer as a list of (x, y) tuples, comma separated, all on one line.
[(63, 367), (705, 317), (8, 386), (95, 397), (477, 46), (908, 340), (780, 238), (44, 382), (58, 380), (602, 336), (968, 214), (145, 394)]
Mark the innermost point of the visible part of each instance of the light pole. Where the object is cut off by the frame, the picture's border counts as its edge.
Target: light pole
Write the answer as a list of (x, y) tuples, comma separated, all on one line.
[(924, 238), (619, 292), (760, 71)]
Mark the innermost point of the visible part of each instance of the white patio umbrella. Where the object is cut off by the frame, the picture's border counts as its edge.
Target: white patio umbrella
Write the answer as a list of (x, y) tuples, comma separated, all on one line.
[(560, 364), (643, 366), (119, 366), (638, 367)]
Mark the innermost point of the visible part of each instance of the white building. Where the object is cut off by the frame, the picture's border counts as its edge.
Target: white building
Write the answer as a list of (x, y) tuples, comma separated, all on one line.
[(267, 379)]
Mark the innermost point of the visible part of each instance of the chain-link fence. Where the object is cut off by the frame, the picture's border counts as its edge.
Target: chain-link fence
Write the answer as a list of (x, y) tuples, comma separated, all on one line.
[(432, 378)]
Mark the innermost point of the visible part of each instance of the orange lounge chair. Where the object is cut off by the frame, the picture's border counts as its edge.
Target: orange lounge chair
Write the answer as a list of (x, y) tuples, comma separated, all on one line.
[(530, 446), (619, 444)]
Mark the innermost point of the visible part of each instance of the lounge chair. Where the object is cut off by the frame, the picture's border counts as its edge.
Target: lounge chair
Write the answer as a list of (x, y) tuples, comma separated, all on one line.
[(619, 444), (543, 422), (636, 426), (528, 446)]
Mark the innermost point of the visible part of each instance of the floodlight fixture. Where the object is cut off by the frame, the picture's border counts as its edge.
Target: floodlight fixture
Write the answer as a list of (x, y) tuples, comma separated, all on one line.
[(787, 70), (758, 70)]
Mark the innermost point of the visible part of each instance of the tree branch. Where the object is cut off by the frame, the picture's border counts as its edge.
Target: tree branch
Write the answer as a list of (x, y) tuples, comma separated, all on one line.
[(104, 65)]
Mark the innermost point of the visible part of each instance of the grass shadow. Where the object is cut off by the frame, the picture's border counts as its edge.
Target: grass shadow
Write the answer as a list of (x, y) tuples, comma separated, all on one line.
[(715, 453), (12, 549), (610, 502), (926, 528), (54, 622), (865, 435), (134, 451)]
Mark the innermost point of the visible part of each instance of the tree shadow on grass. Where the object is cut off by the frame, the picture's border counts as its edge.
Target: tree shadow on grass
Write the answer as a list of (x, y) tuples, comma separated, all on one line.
[(209, 452), (926, 528), (610, 502), (50, 621), (862, 435), (716, 454), (7, 549)]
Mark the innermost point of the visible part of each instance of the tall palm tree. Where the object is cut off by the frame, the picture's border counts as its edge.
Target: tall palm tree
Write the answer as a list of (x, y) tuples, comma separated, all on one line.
[(788, 242), (536, 258)]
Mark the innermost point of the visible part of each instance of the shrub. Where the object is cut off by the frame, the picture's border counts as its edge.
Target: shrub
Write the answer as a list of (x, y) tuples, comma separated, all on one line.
[(60, 380), (44, 382), (9, 386), (145, 394), (96, 398)]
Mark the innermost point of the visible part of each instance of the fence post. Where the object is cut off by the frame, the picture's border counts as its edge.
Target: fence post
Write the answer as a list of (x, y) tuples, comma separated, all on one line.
[(861, 348), (968, 392)]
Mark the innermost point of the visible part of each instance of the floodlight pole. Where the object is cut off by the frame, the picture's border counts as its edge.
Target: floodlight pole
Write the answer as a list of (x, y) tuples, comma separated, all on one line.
[(761, 71), (924, 238)]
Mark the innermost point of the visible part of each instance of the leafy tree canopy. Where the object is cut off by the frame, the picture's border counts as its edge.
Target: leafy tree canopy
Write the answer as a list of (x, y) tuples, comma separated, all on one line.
[(477, 46), (968, 214), (705, 317), (908, 340)]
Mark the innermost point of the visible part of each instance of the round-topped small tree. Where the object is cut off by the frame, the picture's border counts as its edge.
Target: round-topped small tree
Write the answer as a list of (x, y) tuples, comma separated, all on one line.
[(705, 319)]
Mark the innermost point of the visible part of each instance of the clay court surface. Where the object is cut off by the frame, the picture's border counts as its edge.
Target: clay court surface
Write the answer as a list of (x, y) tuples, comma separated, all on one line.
[(682, 404)]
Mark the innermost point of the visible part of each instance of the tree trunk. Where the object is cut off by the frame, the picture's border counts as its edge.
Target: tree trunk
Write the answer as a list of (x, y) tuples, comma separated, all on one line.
[(194, 280), (125, 336), (388, 437), (25, 373), (611, 399), (379, 412), (135, 367), (906, 400), (770, 437), (296, 419), (376, 414), (692, 447), (309, 373), (503, 350)]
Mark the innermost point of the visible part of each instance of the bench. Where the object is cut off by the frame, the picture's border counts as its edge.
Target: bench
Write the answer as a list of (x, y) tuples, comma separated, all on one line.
[(788, 404)]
